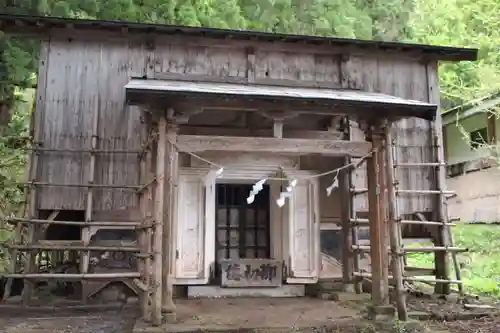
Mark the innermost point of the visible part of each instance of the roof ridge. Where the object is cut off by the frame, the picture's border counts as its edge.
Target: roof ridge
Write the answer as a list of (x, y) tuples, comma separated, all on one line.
[(38, 23)]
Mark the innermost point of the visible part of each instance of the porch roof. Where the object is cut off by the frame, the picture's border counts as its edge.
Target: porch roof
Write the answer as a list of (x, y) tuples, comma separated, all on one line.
[(307, 100)]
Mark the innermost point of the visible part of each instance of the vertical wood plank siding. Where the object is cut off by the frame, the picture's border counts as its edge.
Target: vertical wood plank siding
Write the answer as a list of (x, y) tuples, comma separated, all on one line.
[(84, 74), (408, 80)]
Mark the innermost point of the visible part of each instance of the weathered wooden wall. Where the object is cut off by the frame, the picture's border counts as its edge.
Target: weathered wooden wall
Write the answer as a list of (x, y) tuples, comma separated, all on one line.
[(88, 72), (83, 76)]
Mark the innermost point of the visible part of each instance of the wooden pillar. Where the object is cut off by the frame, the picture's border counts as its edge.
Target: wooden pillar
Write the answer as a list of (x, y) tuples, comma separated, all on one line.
[(394, 227), (147, 210), (377, 218), (89, 202), (441, 260), (32, 198), (171, 167), (345, 211), (384, 213), (159, 221)]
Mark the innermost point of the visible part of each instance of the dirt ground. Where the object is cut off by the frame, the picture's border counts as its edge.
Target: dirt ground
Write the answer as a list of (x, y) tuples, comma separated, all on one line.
[(240, 315), (256, 313), (484, 325), (105, 322)]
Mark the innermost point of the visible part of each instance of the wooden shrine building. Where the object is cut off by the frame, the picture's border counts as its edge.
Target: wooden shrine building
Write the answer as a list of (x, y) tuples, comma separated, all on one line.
[(211, 160)]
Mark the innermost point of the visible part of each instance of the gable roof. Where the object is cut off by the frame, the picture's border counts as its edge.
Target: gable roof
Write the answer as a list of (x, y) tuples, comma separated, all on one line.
[(40, 25), (457, 114)]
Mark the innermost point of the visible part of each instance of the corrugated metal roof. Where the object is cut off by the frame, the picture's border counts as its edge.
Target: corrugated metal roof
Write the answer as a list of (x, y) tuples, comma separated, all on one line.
[(455, 115), (269, 91), (330, 96), (39, 24)]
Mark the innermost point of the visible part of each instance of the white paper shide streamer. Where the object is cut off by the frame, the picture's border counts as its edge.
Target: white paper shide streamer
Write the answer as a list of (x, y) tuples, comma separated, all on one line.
[(219, 172), (334, 185), (287, 193), (256, 188)]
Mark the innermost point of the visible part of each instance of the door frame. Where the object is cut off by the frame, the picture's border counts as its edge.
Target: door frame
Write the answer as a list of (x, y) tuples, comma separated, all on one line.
[(275, 214)]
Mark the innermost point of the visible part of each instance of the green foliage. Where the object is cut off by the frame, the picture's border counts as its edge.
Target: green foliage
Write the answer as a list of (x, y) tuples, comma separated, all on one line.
[(12, 164), (462, 23), (13, 159), (482, 270), (481, 265)]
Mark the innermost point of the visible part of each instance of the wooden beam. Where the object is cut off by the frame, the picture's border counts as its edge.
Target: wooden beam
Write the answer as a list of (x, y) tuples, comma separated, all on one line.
[(235, 131), (180, 113), (236, 103), (199, 143), (278, 115), (369, 110)]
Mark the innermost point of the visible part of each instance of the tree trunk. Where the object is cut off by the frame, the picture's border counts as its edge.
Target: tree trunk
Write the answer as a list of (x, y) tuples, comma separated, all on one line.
[(5, 114)]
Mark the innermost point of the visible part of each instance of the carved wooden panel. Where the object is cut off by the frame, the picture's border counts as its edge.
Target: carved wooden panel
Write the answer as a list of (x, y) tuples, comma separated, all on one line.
[(251, 273)]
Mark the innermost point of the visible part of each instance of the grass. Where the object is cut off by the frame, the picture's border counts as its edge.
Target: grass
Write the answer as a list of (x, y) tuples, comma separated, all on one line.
[(481, 265)]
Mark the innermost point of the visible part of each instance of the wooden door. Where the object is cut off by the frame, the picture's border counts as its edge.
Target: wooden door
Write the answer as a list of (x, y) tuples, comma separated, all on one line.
[(195, 225), (302, 220)]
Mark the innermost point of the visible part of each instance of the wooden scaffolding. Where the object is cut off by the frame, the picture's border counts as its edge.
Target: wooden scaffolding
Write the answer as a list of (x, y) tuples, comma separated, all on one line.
[(158, 163), (28, 246), (385, 224)]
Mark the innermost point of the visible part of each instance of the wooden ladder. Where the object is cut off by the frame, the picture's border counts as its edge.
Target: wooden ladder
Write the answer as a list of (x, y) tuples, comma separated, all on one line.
[(441, 220)]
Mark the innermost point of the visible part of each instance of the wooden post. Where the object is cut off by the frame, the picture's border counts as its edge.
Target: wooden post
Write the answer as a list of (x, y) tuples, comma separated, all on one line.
[(32, 208), (394, 226), (345, 211), (354, 230), (149, 234), (442, 263), (22, 213), (85, 257), (31, 238), (31, 192), (159, 221), (378, 245), (145, 199), (172, 162), (384, 213), (143, 268), (441, 260)]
